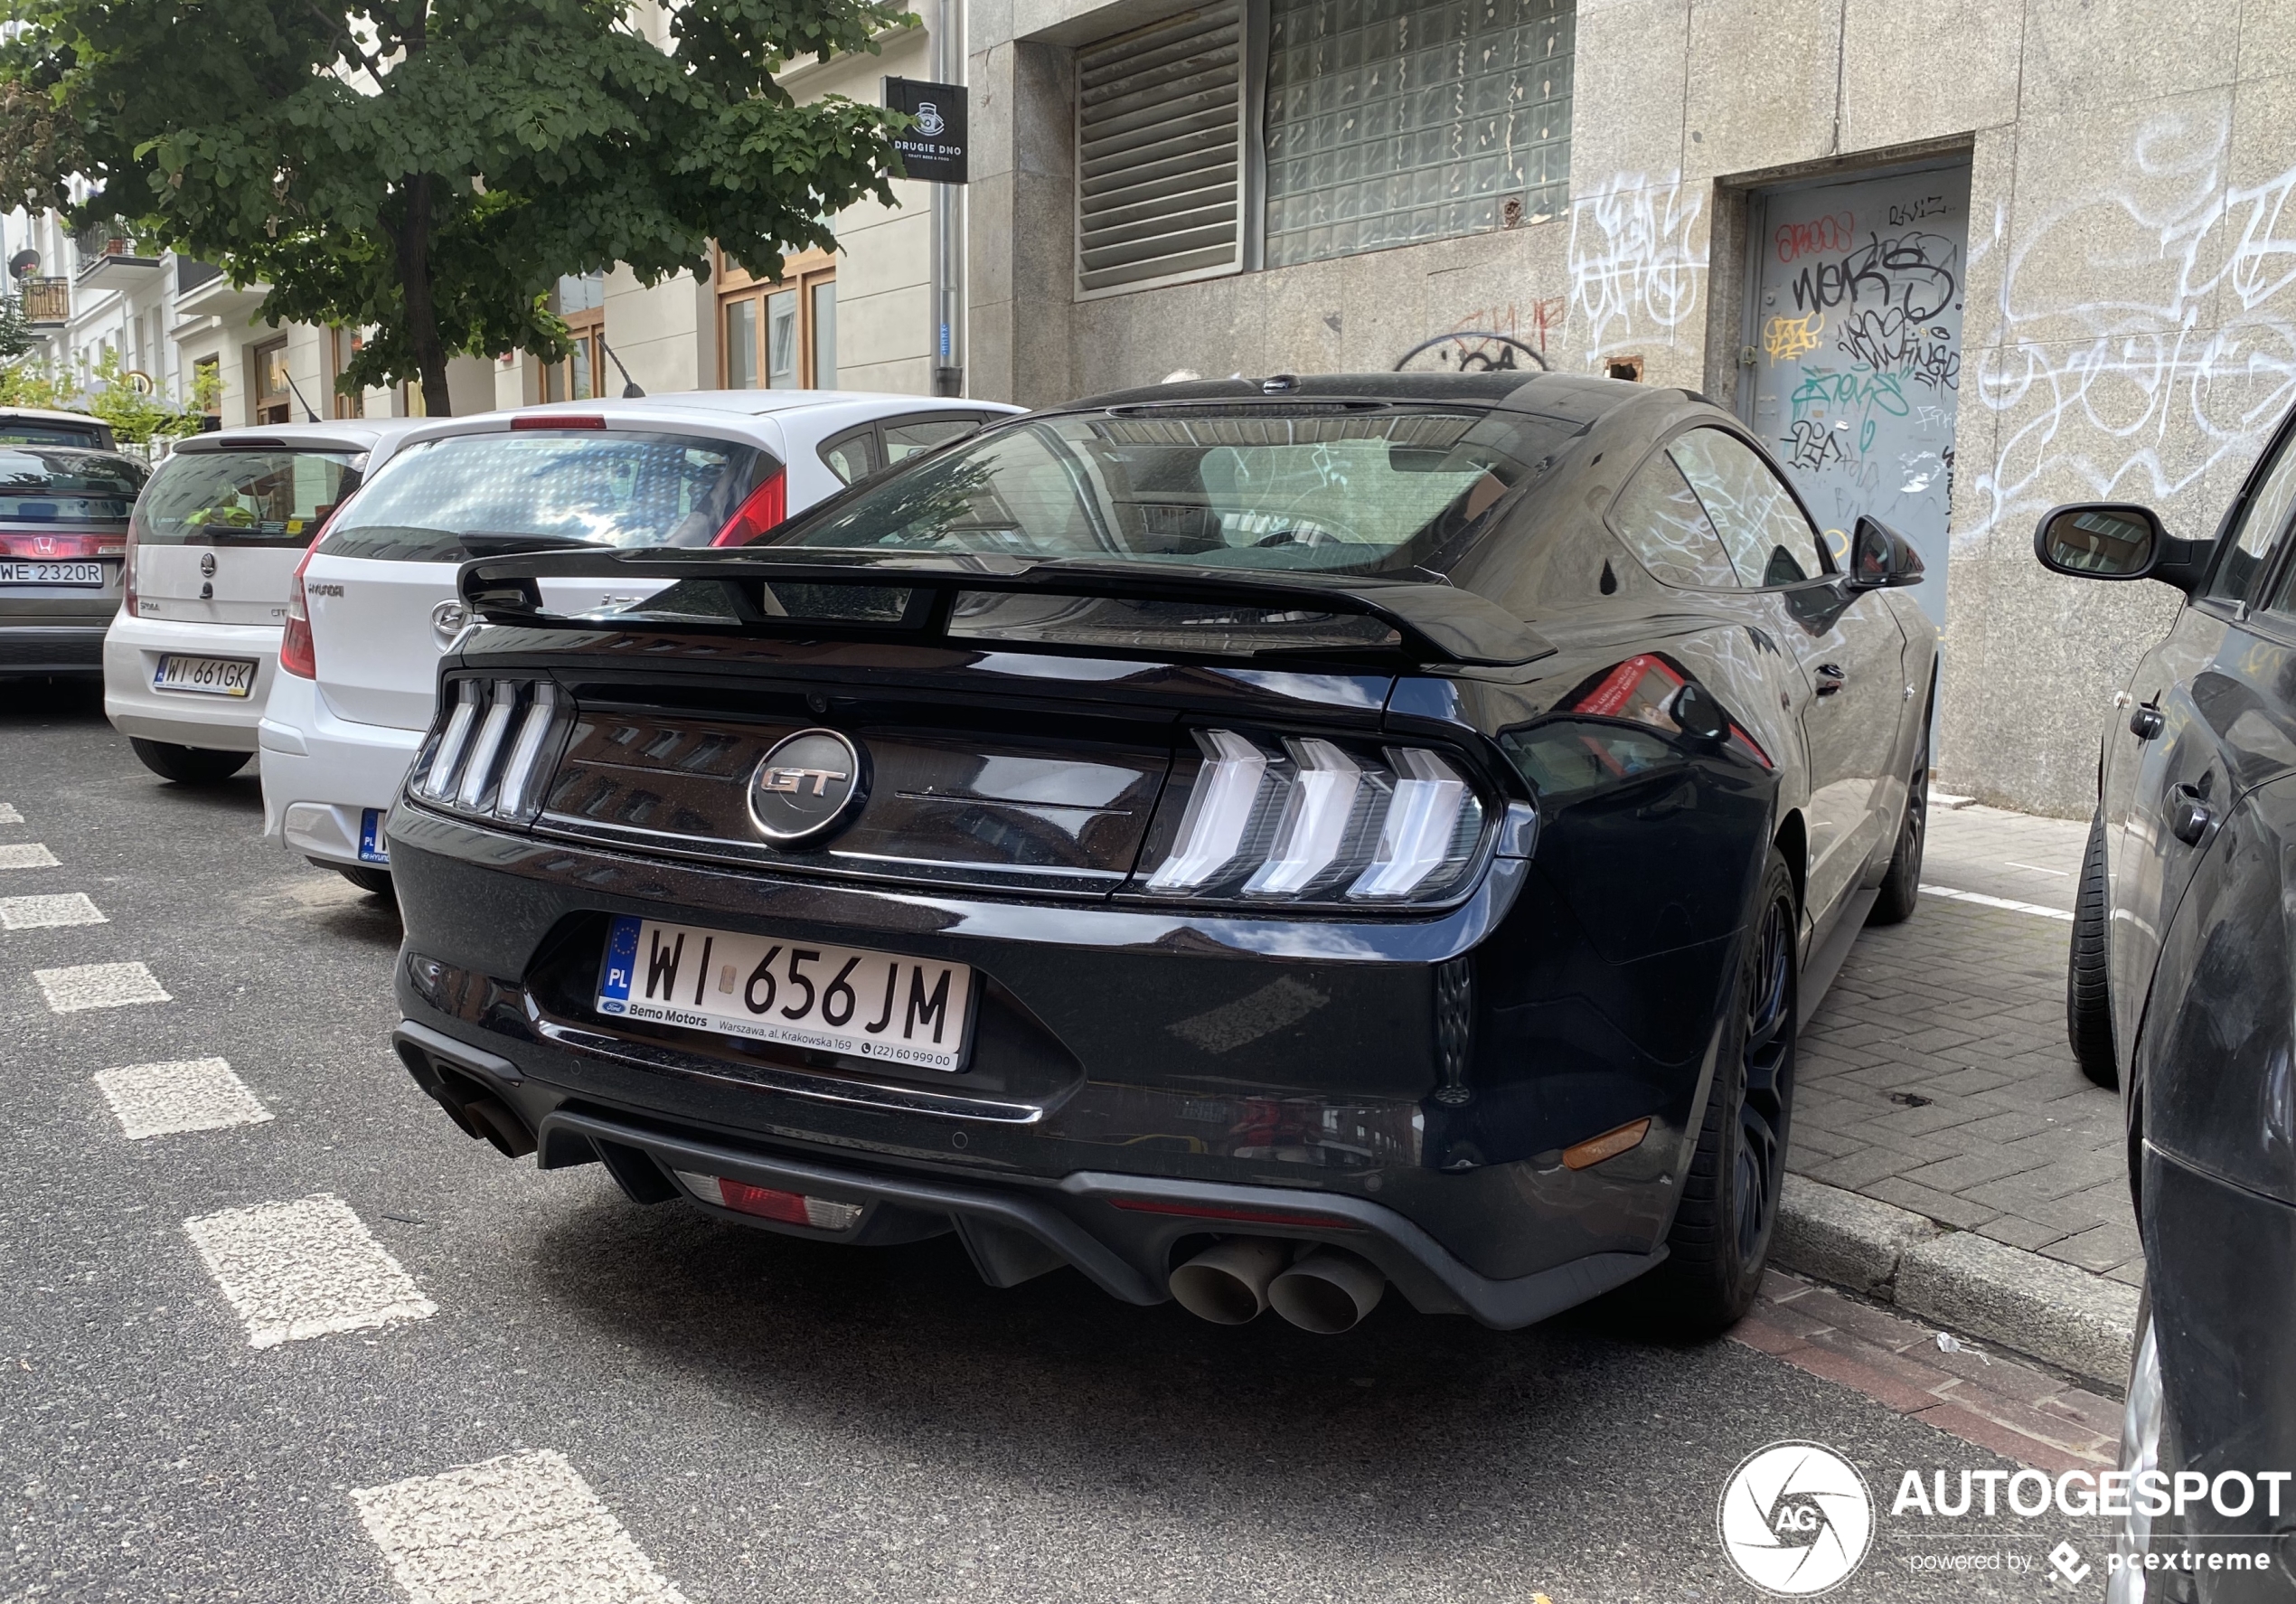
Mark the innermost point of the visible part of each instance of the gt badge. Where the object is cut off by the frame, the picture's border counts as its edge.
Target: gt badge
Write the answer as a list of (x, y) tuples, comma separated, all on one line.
[(809, 784)]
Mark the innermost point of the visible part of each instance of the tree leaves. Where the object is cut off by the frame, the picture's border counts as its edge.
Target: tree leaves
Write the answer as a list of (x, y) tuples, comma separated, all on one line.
[(279, 139)]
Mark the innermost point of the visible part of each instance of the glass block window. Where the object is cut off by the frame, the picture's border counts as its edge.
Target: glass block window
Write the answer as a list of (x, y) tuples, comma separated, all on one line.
[(1390, 121)]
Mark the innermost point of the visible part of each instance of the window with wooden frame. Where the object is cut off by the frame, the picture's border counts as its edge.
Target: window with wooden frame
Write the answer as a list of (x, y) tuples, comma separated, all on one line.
[(782, 336), (272, 404), (207, 378), (581, 302)]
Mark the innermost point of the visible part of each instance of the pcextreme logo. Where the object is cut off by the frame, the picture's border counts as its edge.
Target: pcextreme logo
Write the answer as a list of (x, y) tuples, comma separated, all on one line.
[(1795, 1518)]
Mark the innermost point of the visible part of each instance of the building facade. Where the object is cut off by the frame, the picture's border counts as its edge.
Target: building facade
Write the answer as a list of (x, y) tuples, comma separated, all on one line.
[(1957, 264)]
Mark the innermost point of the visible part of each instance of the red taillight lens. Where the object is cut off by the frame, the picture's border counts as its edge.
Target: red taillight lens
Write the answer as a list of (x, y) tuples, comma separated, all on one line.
[(297, 655), (558, 420), (53, 548), (768, 505)]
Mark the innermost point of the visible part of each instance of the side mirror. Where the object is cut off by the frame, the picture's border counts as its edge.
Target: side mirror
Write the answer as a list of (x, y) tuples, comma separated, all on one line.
[(1880, 557), (2114, 540)]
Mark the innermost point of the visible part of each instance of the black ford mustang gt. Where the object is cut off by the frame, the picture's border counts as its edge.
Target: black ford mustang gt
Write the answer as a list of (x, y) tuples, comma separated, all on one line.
[(1251, 842)]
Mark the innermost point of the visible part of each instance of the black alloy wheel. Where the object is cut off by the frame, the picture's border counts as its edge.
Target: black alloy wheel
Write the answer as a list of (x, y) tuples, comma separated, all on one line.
[(1901, 886), (188, 765), (2088, 992), (1720, 1240)]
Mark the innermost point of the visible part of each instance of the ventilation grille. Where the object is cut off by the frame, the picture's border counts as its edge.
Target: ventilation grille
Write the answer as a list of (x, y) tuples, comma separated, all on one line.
[(1159, 143)]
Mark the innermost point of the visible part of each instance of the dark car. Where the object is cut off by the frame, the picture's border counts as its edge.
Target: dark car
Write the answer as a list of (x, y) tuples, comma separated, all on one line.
[(63, 540), (1251, 842), (2182, 991)]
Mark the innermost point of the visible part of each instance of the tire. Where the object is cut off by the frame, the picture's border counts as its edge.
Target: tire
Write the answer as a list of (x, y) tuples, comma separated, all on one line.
[(2088, 991), (188, 765), (374, 882), (1901, 886), (1721, 1240)]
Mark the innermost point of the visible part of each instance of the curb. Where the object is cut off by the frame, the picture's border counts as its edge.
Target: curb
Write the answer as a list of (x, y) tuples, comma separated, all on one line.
[(2053, 1312)]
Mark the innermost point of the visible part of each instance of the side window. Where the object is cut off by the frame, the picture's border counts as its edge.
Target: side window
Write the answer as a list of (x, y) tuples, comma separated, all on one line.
[(853, 455), (905, 439), (1662, 524), (2262, 519), (1770, 542)]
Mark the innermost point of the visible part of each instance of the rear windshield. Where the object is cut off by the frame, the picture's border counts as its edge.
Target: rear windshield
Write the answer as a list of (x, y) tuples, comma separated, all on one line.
[(55, 485), (48, 431), (1248, 486), (244, 498), (473, 494)]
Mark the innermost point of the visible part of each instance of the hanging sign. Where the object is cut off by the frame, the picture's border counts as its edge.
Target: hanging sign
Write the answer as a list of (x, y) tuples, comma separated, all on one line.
[(932, 146)]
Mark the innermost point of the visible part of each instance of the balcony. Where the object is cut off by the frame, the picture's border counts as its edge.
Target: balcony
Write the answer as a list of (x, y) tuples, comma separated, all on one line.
[(112, 256), (47, 302)]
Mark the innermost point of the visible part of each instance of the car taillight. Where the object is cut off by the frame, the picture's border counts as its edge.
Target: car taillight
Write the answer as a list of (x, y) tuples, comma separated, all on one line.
[(129, 601), (493, 749), (298, 655), (768, 505), (51, 548), (1307, 819)]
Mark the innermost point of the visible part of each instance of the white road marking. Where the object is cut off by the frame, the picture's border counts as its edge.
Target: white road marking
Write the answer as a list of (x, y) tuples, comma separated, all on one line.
[(1985, 901), (2060, 874), (99, 986), (40, 913), (304, 1269), (8, 814), (521, 1528), (31, 854), (168, 1099)]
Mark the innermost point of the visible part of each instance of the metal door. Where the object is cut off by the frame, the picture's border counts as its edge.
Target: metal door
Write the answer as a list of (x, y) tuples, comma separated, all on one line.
[(1851, 369)]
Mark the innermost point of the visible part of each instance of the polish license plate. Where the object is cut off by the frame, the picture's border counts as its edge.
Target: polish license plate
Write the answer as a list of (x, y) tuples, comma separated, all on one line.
[(374, 847), (52, 573), (205, 676), (833, 999)]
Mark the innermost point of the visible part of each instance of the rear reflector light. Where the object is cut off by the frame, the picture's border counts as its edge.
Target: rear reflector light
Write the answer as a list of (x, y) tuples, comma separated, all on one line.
[(1145, 1205), (1609, 1145), (766, 505), (1307, 819), (558, 420), (493, 748), (766, 1202)]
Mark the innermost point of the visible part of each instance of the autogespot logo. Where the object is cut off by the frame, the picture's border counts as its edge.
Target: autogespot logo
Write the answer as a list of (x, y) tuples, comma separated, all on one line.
[(1795, 1518)]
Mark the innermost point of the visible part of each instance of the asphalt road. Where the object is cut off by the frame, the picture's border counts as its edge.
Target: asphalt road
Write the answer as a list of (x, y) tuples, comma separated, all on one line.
[(764, 1418)]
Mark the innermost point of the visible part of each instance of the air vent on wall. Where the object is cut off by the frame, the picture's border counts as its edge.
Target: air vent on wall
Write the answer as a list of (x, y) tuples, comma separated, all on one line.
[(1159, 120)]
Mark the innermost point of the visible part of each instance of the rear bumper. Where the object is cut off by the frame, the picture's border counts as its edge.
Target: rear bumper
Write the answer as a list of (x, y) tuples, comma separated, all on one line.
[(1119, 1231), (1117, 1049), (132, 650), (51, 648), (321, 773)]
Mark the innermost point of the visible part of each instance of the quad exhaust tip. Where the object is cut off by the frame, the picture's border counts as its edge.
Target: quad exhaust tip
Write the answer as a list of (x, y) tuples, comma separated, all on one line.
[(1327, 1291)]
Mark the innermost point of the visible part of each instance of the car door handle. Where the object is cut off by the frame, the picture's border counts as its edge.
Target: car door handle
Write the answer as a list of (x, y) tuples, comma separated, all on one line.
[(2146, 721), (1831, 677), (2190, 816)]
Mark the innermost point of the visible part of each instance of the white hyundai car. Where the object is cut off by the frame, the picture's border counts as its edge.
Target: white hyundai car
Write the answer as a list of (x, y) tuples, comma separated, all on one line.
[(190, 657), (373, 604)]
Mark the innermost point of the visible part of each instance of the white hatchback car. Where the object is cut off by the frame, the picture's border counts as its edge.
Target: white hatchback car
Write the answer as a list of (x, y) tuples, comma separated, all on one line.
[(190, 657), (373, 604)]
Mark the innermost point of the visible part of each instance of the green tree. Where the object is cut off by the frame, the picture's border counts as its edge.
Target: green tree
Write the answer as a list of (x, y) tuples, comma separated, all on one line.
[(107, 392), (428, 169), (15, 329)]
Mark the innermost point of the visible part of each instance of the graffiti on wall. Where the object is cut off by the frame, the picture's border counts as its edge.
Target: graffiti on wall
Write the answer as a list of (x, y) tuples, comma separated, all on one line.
[(1637, 261), (2119, 393)]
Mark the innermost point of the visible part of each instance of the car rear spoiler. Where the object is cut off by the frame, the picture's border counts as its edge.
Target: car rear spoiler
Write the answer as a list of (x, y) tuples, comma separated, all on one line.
[(1434, 622)]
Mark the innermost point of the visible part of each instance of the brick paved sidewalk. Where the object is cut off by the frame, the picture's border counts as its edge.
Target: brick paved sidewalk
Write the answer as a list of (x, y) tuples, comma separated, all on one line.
[(1935, 1076)]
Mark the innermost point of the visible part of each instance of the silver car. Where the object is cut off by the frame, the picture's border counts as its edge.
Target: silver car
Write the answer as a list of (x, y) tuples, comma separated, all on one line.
[(63, 537)]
